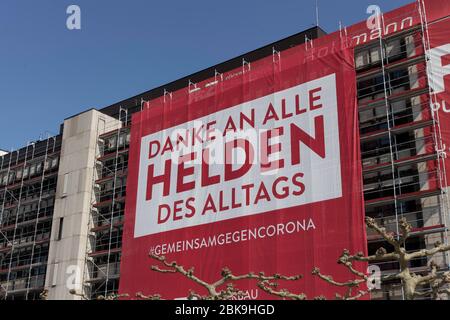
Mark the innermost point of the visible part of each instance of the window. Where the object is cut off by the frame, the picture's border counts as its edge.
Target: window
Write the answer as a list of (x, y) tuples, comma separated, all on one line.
[(121, 140), (26, 171), (371, 87), (112, 142), (19, 174), (65, 185), (399, 80), (368, 58), (375, 55), (32, 170), (39, 167), (11, 177), (47, 165), (55, 274), (60, 229), (361, 59), (109, 186), (394, 49), (54, 163)]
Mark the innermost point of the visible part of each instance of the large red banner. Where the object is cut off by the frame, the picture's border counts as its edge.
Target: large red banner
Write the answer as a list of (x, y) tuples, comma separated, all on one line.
[(438, 68), (255, 170)]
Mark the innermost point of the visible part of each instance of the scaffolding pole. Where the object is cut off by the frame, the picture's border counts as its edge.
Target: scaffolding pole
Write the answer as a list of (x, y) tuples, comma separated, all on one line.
[(17, 214), (383, 56), (5, 190), (38, 213), (111, 227), (123, 118), (86, 272), (6, 186)]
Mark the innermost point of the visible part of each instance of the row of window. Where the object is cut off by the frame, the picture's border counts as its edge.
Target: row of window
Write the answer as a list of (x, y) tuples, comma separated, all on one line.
[(103, 288), (22, 256), (25, 234), (18, 280), (380, 184), (29, 171), (102, 265), (109, 166), (398, 80), (400, 112), (376, 151), (108, 192), (112, 143), (394, 49), (29, 195), (102, 241), (107, 187), (103, 217), (27, 213), (404, 145)]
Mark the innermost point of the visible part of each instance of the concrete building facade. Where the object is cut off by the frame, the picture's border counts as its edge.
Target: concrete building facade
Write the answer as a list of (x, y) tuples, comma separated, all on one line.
[(62, 199)]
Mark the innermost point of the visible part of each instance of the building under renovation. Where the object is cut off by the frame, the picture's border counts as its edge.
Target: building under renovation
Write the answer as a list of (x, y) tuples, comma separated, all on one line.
[(62, 198)]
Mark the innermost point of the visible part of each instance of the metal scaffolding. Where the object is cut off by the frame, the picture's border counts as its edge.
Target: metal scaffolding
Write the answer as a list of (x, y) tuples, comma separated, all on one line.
[(398, 166), (114, 198), (19, 224), (98, 276), (41, 192), (17, 216)]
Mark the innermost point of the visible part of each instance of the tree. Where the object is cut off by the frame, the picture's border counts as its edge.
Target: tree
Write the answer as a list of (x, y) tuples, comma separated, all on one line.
[(228, 279), (268, 284), (438, 283)]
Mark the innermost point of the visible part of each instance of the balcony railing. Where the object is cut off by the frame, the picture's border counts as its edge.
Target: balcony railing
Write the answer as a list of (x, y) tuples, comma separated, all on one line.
[(417, 219), (22, 283), (403, 185)]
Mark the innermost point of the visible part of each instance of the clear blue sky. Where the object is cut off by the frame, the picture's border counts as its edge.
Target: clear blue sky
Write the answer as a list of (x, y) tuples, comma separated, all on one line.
[(48, 73)]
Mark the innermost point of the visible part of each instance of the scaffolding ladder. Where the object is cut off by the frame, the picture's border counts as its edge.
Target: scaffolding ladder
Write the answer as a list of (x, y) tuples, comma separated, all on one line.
[(41, 191), (19, 200)]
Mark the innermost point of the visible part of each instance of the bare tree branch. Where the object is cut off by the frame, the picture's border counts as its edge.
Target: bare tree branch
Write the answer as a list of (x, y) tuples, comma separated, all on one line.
[(389, 237), (330, 280), (428, 252), (43, 295), (267, 287), (224, 288), (112, 296), (214, 293), (410, 280), (144, 297)]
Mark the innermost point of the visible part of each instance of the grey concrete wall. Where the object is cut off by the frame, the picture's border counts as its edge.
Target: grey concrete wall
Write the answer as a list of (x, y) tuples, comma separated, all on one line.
[(67, 256)]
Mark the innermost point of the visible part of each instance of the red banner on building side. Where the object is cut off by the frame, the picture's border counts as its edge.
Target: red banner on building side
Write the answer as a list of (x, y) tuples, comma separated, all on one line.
[(256, 170)]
